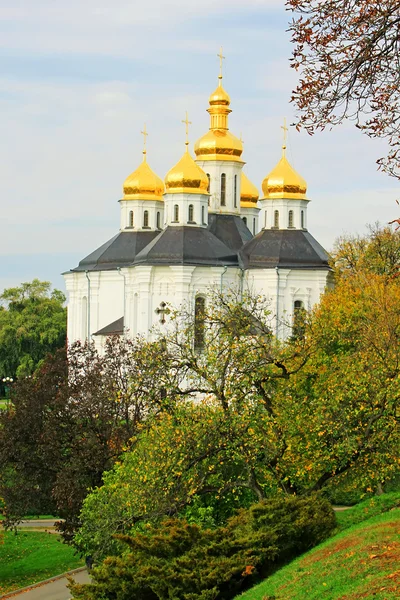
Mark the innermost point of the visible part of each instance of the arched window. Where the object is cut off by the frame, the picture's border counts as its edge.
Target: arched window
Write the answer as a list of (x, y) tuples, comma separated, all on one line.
[(131, 218), (190, 214), (290, 219), (176, 213), (302, 219), (158, 220), (202, 216), (254, 227), (245, 220), (276, 219), (265, 220), (223, 189), (209, 180), (235, 191), (199, 317), (146, 218), (299, 315)]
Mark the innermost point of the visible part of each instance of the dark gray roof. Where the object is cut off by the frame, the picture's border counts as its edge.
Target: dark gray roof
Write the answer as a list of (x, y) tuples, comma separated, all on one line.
[(284, 248), (115, 328), (230, 229), (120, 251), (187, 246)]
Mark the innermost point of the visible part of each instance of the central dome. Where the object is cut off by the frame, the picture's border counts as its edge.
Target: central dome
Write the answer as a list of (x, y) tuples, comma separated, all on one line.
[(219, 143), (186, 177)]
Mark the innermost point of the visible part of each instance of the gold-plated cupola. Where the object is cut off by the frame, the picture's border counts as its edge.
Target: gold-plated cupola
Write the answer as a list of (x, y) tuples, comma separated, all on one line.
[(219, 143), (283, 181), (186, 177), (143, 184), (248, 193)]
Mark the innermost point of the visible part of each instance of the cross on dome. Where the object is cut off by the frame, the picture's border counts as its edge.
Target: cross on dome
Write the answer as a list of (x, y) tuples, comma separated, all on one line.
[(187, 123), (285, 130), (221, 58), (145, 134)]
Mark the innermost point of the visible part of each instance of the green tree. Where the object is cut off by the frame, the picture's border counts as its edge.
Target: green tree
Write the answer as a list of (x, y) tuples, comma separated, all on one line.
[(33, 322), (179, 560)]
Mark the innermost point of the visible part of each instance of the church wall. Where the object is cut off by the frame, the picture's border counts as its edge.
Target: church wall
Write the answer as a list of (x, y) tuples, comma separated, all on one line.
[(215, 169), (284, 287), (283, 206), (138, 207)]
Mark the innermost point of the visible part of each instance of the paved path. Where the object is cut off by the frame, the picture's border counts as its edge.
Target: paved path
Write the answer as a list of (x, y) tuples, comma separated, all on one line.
[(55, 590), (45, 523)]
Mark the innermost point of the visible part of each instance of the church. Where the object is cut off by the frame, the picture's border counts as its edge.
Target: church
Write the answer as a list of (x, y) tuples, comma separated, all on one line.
[(203, 226)]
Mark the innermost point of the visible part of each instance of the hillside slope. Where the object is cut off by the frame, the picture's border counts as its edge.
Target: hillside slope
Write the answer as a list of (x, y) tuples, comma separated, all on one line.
[(362, 562)]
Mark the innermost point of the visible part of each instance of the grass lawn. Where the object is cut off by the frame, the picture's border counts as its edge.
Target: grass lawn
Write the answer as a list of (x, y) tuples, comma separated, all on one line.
[(360, 562), (32, 556)]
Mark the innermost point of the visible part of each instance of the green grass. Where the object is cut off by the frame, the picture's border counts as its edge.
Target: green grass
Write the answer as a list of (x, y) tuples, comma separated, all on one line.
[(360, 562), (31, 556), (367, 509)]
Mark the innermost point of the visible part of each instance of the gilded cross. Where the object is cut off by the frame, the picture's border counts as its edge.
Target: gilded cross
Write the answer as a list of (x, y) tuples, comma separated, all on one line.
[(285, 130), (221, 58), (145, 134), (187, 123)]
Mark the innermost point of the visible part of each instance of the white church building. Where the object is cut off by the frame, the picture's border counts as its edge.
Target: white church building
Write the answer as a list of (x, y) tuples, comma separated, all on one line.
[(203, 226)]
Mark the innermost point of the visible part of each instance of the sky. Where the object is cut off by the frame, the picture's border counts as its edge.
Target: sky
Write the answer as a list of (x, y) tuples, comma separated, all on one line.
[(79, 79)]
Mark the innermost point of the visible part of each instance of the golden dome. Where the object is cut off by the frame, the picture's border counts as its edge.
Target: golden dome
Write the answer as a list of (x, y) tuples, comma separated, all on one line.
[(219, 143), (143, 184), (248, 193), (220, 96), (186, 177), (284, 182)]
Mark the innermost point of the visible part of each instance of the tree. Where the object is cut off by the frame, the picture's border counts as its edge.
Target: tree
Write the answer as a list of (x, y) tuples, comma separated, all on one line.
[(226, 450), (347, 52), (33, 323), (71, 421), (180, 560)]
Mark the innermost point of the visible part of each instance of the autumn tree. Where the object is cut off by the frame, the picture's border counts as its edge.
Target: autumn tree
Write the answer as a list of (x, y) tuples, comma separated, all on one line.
[(33, 323), (71, 421), (347, 53)]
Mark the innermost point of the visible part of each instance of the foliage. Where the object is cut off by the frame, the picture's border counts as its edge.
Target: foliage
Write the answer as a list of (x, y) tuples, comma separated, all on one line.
[(180, 560), (33, 323), (361, 562), (31, 556), (344, 406), (347, 53), (65, 427), (226, 449), (377, 253)]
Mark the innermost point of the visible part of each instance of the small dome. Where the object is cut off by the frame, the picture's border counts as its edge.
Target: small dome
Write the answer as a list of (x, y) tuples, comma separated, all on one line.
[(186, 177), (248, 193), (284, 182), (219, 96), (143, 184), (218, 144)]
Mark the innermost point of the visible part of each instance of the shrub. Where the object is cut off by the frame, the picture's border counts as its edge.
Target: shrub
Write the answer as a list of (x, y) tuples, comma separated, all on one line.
[(180, 560)]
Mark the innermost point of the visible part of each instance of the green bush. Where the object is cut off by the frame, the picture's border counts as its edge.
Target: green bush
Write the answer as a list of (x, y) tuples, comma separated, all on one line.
[(179, 560)]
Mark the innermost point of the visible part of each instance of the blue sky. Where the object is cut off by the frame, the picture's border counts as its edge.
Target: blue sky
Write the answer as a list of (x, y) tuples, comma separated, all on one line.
[(77, 81)]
